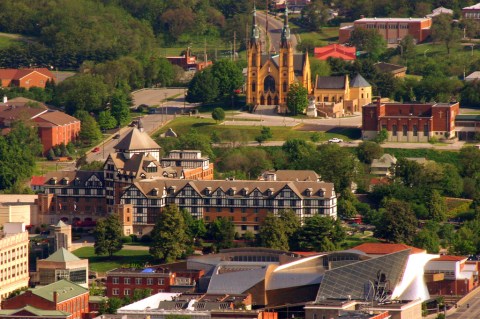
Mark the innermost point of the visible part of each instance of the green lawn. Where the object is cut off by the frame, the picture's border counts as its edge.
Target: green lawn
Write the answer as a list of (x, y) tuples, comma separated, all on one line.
[(105, 263), (206, 126)]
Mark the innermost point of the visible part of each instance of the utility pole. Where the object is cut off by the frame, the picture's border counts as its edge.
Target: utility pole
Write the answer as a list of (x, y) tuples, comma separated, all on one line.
[(234, 44)]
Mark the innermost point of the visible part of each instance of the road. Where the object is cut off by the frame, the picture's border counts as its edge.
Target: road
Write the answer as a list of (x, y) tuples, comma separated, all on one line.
[(151, 122), (274, 30)]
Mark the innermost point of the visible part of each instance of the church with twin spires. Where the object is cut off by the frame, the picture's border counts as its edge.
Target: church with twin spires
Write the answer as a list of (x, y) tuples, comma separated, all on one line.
[(269, 76)]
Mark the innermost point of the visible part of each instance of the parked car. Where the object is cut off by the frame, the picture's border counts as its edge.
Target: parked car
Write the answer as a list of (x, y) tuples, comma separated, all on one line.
[(96, 150), (335, 140)]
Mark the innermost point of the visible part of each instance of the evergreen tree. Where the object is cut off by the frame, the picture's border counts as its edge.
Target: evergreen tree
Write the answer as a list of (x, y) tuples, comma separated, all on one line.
[(108, 233), (169, 237)]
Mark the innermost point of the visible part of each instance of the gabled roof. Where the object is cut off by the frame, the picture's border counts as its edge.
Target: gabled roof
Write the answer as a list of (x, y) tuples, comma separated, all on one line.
[(385, 248), (65, 289), (136, 140), (359, 82), (35, 311), (331, 82), (62, 255)]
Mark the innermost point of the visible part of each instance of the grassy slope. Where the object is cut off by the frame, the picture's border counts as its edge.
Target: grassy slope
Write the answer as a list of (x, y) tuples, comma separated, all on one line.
[(104, 263)]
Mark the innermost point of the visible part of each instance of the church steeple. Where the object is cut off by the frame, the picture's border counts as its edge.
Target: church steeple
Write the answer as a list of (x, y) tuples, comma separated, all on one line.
[(285, 39), (255, 36)]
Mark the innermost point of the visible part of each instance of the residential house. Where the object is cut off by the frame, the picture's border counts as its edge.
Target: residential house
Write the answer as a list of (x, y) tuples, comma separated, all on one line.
[(393, 30), (26, 78), (398, 71), (336, 51), (383, 166), (336, 96), (409, 122), (61, 265), (13, 258), (62, 295)]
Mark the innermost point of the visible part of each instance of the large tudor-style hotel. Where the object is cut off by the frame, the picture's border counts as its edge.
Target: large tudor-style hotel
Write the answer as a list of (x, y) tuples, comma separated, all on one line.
[(137, 184)]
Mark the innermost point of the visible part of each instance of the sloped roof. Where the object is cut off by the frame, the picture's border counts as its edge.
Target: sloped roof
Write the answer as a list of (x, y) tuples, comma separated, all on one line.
[(386, 248), (58, 118), (62, 255), (35, 311), (65, 289), (359, 82), (331, 82), (136, 140)]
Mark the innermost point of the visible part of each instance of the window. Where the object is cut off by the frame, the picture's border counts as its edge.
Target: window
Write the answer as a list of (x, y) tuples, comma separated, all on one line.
[(405, 129), (149, 281), (126, 292), (138, 281), (394, 130), (115, 291), (126, 281), (161, 281), (115, 280)]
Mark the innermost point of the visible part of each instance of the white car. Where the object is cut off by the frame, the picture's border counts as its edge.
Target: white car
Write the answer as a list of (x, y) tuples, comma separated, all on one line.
[(335, 140)]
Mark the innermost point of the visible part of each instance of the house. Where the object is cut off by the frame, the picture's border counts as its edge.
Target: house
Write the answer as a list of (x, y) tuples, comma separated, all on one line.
[(14, 258), (175, 277), (393, 30), (61, 264), (336, 51), (26, 78), (398, 71), (471, 12), (438, 11), (336, 96), (383, 166), (270, 77), (409, 122), (54, 127), (62, 295), (474, 76)]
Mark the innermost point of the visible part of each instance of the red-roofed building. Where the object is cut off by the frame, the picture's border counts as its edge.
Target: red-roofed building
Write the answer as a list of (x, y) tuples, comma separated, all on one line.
[(25, 78), (380, 249), (336, 51), (451, 275), (54, 127)]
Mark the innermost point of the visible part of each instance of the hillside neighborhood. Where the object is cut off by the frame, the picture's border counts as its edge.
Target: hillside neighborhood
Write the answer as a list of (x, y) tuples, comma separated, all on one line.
[(230, 159)]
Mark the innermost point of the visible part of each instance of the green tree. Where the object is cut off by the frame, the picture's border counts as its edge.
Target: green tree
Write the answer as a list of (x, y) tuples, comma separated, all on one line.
[(320, 233), (108, 233), (169, 238), (437, 207), (222, 231), (444, 30), (368, 40), (229, 76), (367, 151), (218, 114), (398, 223), (272, 233), (203, 87), (297, 99), (106, 121), (89, 129), (82, 92)]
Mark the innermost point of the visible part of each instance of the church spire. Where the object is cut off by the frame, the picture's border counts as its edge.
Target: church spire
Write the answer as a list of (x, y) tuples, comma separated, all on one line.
[(285, 39), (255, 37)]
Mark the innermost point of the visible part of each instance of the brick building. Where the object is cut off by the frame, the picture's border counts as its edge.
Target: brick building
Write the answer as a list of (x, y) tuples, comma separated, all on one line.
[(62, 295), (409, 122), (54, 127), (26, 78), (393, 30), (472, 12), (122, 282), (13, 258)]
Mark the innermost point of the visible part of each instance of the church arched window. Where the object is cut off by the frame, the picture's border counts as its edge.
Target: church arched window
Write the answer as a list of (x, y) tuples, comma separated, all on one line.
[(269, 84)]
